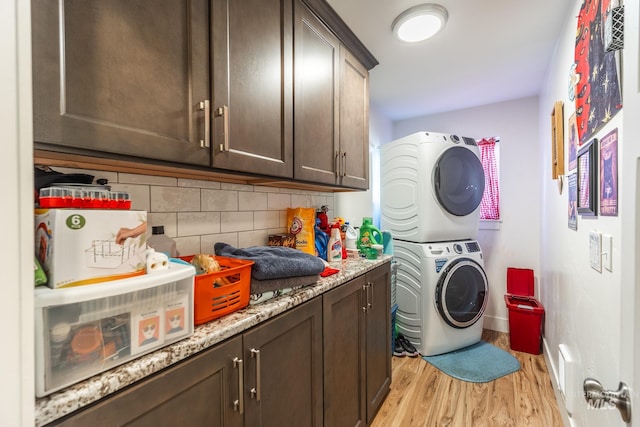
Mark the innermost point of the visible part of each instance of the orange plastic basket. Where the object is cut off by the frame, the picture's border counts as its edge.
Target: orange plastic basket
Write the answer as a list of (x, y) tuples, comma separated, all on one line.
[(223, 292)]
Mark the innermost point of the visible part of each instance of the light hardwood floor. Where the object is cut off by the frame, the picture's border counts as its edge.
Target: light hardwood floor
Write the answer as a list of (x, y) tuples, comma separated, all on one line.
[(421, 395)]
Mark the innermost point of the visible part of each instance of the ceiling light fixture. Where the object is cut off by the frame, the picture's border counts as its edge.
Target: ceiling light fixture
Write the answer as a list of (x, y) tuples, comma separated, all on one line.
[(420, 22)]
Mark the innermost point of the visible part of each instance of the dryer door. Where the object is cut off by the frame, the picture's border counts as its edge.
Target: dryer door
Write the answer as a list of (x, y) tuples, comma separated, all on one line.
[(458, 180), (462, 293)]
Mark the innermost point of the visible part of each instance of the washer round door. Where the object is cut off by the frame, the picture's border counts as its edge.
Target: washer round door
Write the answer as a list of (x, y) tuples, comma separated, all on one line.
[(462, 293), (458, 181)]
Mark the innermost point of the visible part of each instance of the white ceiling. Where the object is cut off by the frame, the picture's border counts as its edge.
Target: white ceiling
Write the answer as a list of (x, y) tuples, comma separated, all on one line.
[(490, 51)]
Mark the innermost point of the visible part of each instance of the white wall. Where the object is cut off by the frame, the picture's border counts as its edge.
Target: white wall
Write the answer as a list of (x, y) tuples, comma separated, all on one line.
[(517, 241), (583, 305), (353, 206), (16, 251)]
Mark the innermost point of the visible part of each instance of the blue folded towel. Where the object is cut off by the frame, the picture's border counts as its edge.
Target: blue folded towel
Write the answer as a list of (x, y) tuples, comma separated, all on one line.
[(274, 262)]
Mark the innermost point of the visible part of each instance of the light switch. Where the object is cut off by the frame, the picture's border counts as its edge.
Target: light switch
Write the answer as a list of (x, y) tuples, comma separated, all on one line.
[(607, 251), (595, 250)]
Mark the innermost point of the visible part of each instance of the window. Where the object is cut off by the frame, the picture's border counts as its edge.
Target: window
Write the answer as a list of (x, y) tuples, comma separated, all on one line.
[(490, 204)]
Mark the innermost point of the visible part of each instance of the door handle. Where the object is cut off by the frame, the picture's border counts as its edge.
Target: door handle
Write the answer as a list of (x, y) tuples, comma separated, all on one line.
[(344, 164), (255, 391), (238, 404), (224, 113), (367, 288), (365, 293), (206, 107), (596, 396)]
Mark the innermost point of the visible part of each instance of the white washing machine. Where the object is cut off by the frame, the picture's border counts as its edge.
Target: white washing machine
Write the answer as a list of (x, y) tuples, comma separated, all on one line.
[(441, 292), (431, 187)]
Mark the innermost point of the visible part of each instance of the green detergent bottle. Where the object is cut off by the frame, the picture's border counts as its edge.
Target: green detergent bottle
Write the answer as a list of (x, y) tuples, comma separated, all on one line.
[(369, 234)]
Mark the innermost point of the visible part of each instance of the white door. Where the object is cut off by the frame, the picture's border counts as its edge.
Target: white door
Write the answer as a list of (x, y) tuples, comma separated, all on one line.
[(630, 213), (629, 182)]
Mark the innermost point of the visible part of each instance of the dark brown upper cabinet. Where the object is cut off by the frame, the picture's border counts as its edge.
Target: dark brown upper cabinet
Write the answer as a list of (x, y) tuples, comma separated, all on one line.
[(354, 122), (331, 107), (252, 86), (122, 77), (316, 102), (204, 87)]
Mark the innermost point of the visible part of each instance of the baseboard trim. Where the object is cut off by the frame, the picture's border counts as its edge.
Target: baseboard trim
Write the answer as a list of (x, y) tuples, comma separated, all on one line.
[(553, 375), (493, 323)]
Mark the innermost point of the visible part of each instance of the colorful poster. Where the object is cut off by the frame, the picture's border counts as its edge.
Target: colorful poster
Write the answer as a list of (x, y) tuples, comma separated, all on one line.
[(573, 202), (597, 92), (609, 174)]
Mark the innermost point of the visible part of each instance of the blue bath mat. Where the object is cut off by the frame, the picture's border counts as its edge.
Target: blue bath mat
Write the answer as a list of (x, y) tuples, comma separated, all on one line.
[(478, 363)]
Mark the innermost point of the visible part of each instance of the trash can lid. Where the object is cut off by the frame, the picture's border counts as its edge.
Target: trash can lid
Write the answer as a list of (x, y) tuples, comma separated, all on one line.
[(520, 281)]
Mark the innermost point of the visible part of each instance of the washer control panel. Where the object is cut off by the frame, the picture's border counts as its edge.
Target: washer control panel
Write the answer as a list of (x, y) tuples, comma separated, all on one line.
[(448, 248), (472, 247)]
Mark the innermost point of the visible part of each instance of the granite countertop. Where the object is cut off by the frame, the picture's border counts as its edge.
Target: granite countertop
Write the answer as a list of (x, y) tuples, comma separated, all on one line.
[(61, 403)]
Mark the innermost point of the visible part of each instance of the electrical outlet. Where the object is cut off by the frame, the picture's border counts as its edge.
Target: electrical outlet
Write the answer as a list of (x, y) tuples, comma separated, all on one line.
[(567, 378)]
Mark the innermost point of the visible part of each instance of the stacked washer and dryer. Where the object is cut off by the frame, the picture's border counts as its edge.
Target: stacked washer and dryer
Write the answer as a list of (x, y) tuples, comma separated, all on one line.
[(431, 188)]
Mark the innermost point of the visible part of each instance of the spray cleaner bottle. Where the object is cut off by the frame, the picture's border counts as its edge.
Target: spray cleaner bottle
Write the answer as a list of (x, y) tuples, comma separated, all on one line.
[(334, 248)]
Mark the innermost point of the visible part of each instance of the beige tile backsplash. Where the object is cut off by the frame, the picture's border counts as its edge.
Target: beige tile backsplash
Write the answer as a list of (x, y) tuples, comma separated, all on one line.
[(197, 213)]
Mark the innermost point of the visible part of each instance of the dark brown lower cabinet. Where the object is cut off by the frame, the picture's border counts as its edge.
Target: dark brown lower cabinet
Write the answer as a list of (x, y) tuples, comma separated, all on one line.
[(326, 362), (198, 392), (357, 349), (283, 369), (378, 341)]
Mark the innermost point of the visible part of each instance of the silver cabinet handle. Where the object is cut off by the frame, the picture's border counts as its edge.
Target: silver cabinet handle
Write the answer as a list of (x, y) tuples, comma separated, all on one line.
[(337, 163), (238, 404), (370, 292), (365, 290), (255, 391), (206, 107), (224, 113), (344, 164)]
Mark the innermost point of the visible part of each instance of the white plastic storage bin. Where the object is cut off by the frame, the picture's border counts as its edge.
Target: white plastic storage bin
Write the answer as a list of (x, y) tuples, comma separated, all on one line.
[(85, 330)]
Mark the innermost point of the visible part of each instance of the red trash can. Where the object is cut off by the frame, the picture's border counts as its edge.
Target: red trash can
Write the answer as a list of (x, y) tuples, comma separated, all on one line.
[(526, 314)]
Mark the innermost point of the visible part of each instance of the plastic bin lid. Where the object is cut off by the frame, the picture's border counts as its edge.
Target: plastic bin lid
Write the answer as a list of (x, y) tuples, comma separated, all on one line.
[(520, 281), (520, 304)]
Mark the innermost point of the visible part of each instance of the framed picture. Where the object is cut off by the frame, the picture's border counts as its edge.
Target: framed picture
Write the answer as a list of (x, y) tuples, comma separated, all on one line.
[(557, 140), (588, 178), (574, 142), (609, 174), (573, 202)]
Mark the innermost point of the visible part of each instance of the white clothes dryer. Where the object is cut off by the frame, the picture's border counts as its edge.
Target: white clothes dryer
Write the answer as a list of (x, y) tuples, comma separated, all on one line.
[(442, 292), (431, 187)]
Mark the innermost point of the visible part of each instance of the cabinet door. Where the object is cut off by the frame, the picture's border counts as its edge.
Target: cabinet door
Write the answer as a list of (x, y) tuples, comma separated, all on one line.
[(354, 122), (200, 391), (378, 340), (316, 98), (283, 369), (252, 86), (344, 355), (122, 77)]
